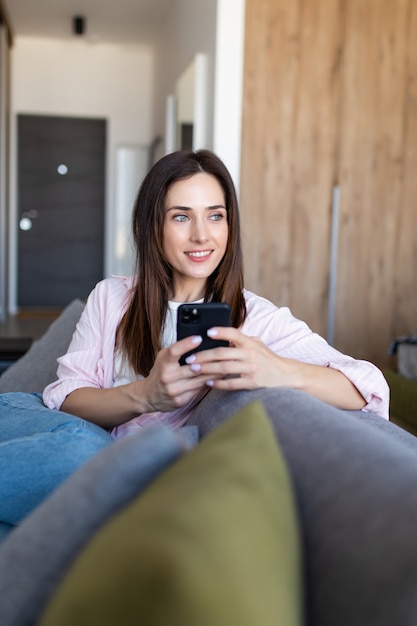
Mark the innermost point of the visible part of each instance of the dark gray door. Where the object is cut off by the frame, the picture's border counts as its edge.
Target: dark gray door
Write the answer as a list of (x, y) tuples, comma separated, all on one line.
[(61, 182)]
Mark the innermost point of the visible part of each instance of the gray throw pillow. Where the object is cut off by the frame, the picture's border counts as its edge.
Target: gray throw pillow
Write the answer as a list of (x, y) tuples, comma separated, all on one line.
[(37, 553), (37, 368)]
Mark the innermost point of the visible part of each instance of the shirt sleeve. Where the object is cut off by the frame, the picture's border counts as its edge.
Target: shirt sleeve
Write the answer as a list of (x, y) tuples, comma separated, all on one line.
[(292, 338), (88, 361)]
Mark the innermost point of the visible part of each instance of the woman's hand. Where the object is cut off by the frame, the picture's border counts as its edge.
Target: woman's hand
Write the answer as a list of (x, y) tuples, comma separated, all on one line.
[(170, 385), (249, 364)]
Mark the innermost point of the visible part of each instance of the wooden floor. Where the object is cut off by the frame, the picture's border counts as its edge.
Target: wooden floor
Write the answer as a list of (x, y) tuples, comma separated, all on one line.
[(28, 323)]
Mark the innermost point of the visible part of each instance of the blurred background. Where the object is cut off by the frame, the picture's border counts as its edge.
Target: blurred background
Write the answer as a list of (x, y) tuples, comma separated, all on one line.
[(312, 104)]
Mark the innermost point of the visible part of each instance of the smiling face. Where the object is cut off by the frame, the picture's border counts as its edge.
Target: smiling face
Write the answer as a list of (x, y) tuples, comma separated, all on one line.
[(195, 233)]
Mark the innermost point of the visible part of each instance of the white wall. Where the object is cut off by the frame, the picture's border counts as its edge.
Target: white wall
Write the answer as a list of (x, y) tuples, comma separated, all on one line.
[(77, 78), (216, 29), (189, 28), (228, 86)]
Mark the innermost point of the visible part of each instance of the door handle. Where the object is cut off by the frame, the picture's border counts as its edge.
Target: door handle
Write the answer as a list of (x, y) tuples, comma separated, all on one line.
[(25, 222)]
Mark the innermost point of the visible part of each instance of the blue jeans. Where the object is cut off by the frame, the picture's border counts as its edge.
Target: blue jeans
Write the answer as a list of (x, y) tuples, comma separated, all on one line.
[(39, 449)]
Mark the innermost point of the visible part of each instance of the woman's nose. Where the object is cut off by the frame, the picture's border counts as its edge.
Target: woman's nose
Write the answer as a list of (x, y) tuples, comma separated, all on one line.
[(199, 231)]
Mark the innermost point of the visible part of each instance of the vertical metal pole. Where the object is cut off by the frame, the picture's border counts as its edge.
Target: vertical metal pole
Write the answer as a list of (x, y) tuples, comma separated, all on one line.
[(334, 235)]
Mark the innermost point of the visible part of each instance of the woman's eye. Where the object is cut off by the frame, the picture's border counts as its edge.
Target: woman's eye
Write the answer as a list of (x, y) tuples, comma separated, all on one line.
[(180, 218), (216, 217)]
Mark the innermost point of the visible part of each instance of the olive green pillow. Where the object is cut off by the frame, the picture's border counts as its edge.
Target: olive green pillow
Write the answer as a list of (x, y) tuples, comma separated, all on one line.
[(212, 541)]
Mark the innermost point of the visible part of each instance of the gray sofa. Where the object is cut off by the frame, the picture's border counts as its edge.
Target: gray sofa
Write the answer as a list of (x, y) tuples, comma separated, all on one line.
[(285, 511), (37, 368)]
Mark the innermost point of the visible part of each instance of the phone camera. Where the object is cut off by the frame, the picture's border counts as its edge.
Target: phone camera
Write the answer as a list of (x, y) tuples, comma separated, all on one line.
[(195, 315), (190, 315)]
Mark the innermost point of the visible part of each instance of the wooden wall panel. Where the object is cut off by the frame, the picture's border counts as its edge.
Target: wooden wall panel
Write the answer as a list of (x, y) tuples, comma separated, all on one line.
[(330, 96), (290, 119), (268, 118), (371, 174), (405, 293)]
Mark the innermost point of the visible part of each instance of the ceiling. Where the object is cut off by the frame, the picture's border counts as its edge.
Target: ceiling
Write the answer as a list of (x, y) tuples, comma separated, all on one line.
[(106, 21)]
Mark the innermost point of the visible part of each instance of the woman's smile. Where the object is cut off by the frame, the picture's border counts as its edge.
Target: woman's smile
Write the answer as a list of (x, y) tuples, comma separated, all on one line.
[(199, 255)]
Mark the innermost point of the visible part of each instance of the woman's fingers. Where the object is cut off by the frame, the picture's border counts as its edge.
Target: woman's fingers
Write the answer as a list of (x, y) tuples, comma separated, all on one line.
[(246, 364), (179, 348)]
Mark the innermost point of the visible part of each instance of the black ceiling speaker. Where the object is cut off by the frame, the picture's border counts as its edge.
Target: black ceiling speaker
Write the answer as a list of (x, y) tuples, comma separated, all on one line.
[(78, 24)]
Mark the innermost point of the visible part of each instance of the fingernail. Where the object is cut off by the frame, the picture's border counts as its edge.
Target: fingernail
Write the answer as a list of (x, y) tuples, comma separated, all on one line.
[(190, 358), (210, 383), (197, 339), (212, 332), (196, 367)]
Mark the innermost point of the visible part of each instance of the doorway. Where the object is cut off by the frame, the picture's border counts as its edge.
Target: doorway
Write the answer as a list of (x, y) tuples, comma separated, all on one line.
[(61, 207)]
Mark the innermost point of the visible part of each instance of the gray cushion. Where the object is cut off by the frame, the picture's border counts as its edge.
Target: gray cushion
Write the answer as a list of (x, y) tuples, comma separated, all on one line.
[(212, 542), (355, 477), (37, 553), (37, 368)]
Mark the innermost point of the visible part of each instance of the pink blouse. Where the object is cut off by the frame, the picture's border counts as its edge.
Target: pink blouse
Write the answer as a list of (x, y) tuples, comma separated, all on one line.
[(89, 361)]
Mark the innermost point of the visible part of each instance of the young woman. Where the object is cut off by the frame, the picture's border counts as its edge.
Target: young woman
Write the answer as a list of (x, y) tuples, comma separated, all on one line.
[(122, 371)]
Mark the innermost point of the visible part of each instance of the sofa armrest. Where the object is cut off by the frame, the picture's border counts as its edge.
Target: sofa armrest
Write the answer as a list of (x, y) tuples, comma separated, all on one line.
[(37, 367)]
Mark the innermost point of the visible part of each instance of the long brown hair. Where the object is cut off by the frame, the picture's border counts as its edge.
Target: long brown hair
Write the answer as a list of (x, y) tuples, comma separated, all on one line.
[(140, 329)]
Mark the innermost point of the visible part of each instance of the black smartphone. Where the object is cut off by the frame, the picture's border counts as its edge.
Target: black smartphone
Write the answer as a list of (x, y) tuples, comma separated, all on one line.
[(196, 319)]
